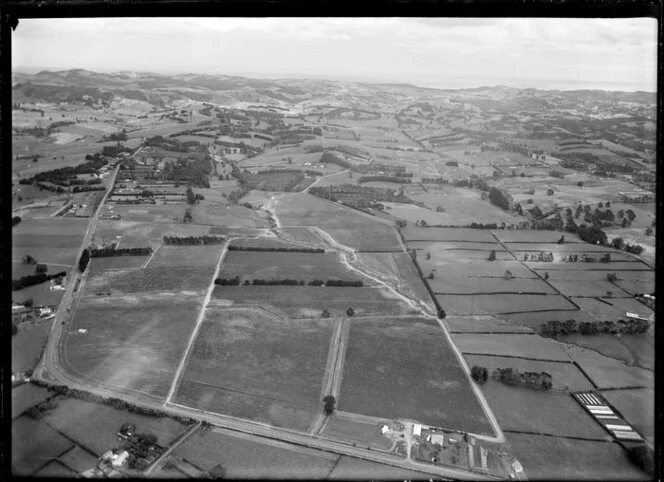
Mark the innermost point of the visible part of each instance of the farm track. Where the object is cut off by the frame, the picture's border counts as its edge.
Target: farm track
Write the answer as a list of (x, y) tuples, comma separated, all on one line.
[(199, 322)]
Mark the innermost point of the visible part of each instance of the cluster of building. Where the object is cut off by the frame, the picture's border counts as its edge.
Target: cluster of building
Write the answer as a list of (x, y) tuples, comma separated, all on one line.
[(448, 447)]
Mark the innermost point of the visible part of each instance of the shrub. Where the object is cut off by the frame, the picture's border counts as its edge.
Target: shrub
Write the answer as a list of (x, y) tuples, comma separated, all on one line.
[(479, 374)]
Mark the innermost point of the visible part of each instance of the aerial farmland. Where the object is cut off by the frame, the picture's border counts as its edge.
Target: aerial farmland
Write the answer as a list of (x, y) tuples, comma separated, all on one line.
[(219, 276)]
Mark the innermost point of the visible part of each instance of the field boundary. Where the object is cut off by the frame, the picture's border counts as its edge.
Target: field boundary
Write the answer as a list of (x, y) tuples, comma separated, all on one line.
[(570, 437), (519, 357)]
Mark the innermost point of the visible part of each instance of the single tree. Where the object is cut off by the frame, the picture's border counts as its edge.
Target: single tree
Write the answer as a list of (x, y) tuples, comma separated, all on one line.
[(191, 198), (618, 243), (562, 239), (41, 268), (28, 303), (428, 256), (330, 404), (187, 216), (326, 313), (546, 275), (29, 259), (492, 255), (612, 277), (218, 472), (350, 311)]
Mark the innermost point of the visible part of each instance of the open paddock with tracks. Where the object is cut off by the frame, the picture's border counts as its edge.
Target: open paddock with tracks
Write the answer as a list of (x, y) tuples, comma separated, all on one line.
[(416, 233), (205, 256), (345, 225), (246, 456), (278, 266), (561, 249), (525, 346), (248, 363), (304, 236), (452, 247), (230, 215), (490, 304), (548, 458), (265, 243), (194, 280), (132, 342), (399, 370), (461, 253), (637, 283), (310, 301), (94, 426), (48, 240), (398, 270)]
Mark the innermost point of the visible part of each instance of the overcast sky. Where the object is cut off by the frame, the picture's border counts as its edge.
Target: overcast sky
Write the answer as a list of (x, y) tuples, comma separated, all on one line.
[(611, 54)]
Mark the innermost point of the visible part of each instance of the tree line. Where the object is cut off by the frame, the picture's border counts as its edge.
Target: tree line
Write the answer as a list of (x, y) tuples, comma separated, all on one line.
[(511, 376), (114, 402), (396, 179), (276, 249), (34, 279), (109, 252), (66, 173), (193, 240), (555, 328)]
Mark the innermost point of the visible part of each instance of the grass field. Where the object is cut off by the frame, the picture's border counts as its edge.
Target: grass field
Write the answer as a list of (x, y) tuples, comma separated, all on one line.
[(480, 324), (565, 375), (416, 233), (79, 460), (40, 294), (463, 285), (310, 301), (266, 242), (139, 234), (636, 350), (132, 342), (246, 456), (243, 360), (534, 321), (33, 443), (447, 263), (489, 304), (616, 310), (54, 469), (349, 468), (48, 240), (94, 426), (548, 458), (607, 372), (397, 371), (529, 346), (364, 434), (186, 256), (574, 287), (26, 396), (130, 281), (27, 345), (303, 236), (637, 407), (537, 237), (347, 226), (299, 266), (539, 411), (116, 262)]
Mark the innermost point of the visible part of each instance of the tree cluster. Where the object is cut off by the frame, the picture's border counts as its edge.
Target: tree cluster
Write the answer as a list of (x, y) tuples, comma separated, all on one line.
[(479, 374), (16, 220), (227, 281), (511, 376), (88, 188), (84, 260), (555, 328), (500, 198), (329, 158), (193, 240), (276, 249), (34, 279), (66, 173)]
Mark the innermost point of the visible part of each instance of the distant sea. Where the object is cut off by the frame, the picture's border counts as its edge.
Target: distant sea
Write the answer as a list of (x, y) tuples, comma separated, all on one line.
[(540, 84)]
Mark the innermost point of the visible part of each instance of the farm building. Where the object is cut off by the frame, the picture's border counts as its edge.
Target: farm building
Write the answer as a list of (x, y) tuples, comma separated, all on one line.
[(417, 429)]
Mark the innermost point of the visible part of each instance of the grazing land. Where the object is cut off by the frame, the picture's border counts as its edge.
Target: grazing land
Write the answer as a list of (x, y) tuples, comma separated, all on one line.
[(570, 459), (486, 304), (310, 301), (637, 406), (27, 395), (244, 363), (34, 443), (411, 372), (132, 342), (245, 456), (346, 226), (528, 346)]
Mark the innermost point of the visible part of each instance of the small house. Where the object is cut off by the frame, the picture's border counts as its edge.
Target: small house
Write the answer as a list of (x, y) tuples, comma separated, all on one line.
[(417, 429), (438, 438), (120, 459)]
